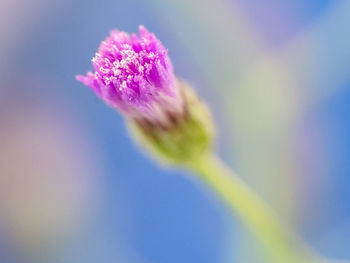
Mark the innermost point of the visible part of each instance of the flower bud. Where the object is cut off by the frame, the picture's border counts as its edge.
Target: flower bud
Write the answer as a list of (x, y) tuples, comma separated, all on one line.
[(133, 74)]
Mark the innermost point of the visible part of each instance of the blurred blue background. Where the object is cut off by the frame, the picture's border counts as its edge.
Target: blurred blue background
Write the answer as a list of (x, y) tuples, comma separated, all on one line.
[(74, 187)]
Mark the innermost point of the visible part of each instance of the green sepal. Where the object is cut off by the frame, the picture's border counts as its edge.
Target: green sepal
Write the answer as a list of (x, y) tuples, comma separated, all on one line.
[(187, 139)]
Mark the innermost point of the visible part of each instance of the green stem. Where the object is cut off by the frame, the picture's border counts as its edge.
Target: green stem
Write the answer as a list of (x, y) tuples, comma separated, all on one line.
[(281, 243)]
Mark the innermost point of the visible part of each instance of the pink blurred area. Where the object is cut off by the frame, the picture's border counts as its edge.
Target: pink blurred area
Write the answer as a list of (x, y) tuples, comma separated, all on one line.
[(48, 174)]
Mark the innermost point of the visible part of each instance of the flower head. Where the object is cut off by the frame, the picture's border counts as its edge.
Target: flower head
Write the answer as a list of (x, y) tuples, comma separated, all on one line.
[(134, 74)]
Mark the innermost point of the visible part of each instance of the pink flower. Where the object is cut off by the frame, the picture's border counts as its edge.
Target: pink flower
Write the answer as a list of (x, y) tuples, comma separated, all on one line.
[(134, 74)]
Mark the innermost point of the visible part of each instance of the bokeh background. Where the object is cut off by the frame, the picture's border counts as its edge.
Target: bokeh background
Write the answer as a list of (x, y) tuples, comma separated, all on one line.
[(73, 186)]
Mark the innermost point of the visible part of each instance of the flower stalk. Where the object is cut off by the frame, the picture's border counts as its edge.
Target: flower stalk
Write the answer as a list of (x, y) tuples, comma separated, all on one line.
[(279, 241)]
